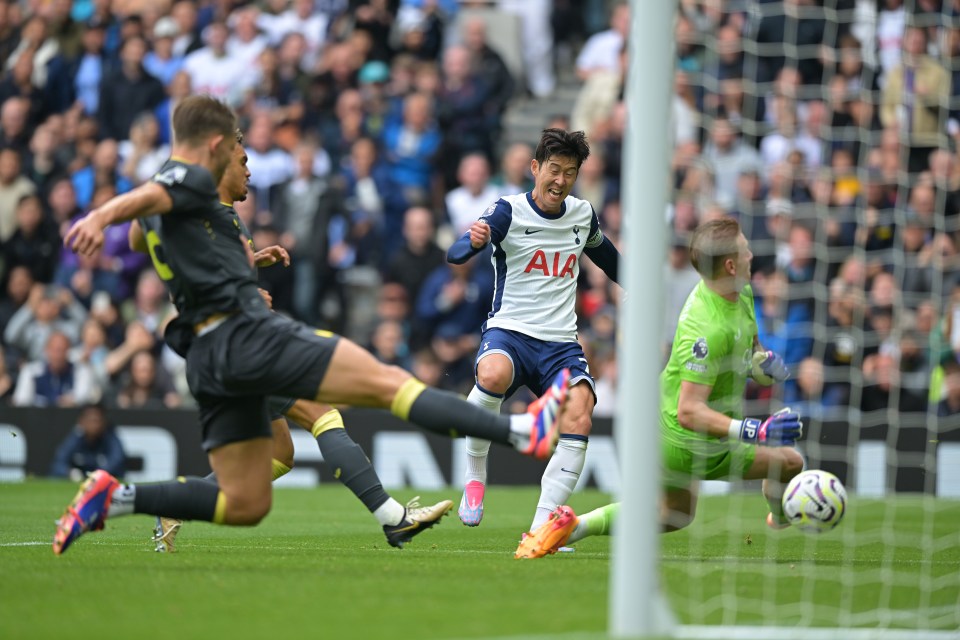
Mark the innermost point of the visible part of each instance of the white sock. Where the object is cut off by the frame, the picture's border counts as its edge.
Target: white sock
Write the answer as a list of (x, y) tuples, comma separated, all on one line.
[(121, 504), (560, 478), (579, 532), (520, 427), (390, 512), (478, 448)]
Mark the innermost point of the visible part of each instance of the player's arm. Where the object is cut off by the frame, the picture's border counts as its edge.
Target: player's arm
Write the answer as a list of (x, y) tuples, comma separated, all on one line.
[(768, 367), (491, 227), (135, 238), (694, 413), (605, 256), (599, 249), (86, 235), (470, 244)]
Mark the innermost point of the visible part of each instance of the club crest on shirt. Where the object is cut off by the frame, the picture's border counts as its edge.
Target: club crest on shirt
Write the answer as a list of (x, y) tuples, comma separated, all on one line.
[(489, 211), (700, 349), (173, 175)]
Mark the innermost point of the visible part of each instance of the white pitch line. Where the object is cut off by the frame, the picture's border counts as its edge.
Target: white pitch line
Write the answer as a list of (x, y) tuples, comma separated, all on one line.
[(203, 545)]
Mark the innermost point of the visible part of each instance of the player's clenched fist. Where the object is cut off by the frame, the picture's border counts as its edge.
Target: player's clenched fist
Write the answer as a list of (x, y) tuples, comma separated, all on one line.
[(479, 234), (85, 237)]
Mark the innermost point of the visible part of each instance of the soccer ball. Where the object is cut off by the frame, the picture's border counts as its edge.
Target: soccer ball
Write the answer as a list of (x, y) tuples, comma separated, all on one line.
[(815, 501)]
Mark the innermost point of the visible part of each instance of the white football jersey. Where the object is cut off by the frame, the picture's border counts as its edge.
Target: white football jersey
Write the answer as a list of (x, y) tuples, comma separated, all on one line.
[(536, 260)]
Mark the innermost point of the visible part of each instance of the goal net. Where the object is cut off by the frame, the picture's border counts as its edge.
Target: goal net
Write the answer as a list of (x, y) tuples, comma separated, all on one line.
[(830, 129)]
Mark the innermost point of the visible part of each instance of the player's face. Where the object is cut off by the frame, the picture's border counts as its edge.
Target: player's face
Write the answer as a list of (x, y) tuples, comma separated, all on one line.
[(744, 256), (237, 175), (220, 156), (553, 181)]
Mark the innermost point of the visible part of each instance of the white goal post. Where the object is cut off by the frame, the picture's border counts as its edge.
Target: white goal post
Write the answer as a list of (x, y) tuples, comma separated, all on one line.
[(638, 603)]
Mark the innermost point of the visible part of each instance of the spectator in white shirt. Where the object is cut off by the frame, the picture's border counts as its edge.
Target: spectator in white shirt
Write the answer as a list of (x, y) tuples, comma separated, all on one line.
[(141, 156), (536, 42), (602, 50), (727, 157), (466, 203), (53, 380), (246, 43), (184, 12), (213, 71), (300, 18), (777, 146), (891, 22)]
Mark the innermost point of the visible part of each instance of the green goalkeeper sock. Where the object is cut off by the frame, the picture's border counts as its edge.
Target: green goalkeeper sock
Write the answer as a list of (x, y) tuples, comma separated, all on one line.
[(598, 522)]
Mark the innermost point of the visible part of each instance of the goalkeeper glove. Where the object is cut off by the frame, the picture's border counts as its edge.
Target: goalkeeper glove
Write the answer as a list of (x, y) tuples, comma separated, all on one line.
[(768, 368), (783, 428)]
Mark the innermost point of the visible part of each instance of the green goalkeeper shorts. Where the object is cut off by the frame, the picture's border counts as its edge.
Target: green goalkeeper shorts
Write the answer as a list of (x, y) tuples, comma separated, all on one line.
[(681, 465)]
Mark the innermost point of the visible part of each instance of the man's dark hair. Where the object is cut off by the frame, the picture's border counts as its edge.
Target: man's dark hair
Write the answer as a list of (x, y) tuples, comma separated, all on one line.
[(199, 117), (567, 144)]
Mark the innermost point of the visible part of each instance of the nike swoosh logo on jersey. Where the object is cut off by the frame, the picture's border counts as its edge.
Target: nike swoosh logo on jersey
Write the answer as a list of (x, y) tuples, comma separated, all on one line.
[(528, 232), (569, 471)]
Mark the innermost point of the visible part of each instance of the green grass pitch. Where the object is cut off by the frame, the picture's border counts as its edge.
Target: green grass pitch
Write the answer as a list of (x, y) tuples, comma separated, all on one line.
[(319, 567)]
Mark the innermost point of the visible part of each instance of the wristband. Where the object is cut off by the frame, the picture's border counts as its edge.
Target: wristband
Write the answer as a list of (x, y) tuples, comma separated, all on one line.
[(734, 432)]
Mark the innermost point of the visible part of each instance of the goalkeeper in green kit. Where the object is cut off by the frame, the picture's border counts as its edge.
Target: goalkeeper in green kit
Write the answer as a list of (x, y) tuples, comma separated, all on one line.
[(702, 430)]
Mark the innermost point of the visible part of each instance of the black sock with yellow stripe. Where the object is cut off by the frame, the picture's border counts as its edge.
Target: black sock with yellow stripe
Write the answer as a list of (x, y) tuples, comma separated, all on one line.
[(183, 499), (447, 413), (346, 458)]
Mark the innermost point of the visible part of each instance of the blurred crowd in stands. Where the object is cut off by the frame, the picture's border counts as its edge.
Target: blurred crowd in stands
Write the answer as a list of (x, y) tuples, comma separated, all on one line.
[(377, 131)]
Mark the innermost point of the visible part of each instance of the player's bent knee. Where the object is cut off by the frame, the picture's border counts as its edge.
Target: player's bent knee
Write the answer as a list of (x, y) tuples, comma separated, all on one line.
[(495, 373), (247, 511), (284, 454), (393, 378), (495, 380)]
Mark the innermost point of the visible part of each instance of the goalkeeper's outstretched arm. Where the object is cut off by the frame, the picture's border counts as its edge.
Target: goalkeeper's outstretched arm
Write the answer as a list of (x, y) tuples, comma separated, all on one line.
[(695, 414)]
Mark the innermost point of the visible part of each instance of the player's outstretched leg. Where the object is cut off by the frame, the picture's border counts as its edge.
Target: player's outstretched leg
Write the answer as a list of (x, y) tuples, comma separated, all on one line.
[(598, 522), (351, 467), (356, 378), (241, 494), (102, 496), (564, 527)]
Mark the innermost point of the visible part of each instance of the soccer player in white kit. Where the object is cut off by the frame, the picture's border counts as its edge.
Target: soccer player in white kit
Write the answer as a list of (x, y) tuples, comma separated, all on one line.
[(531, 331)]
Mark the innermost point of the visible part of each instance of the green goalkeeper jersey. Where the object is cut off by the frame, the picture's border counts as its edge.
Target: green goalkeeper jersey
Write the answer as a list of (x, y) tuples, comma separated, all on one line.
[(713, 346)]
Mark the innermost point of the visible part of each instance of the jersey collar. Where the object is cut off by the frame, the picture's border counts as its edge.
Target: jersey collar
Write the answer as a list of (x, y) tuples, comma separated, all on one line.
[(539, 211)]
